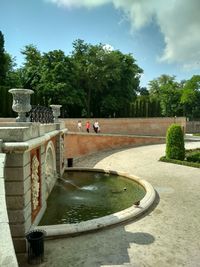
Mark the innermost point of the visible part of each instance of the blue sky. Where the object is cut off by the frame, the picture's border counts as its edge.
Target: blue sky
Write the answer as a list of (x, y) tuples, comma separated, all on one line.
[(162, 39)]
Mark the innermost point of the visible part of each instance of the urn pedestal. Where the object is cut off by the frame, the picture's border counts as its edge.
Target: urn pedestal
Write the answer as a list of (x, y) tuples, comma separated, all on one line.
[(56, 111)]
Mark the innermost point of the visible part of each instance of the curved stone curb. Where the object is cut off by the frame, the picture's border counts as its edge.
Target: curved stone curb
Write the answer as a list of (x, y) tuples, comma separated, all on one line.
[(116, 218)]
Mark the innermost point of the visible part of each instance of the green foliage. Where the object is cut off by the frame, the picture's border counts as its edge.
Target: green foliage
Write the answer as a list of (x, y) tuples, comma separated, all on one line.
[(92, 81), (181, 162), (177, 99), (108, 79), (175, 143), (193, 157), (143, 106), (5, 106), (168, 92), (191, 96), (2, 60)]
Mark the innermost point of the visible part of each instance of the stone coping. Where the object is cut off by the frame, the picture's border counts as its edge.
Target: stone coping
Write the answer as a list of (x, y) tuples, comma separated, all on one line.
[(21, 132), (108, 220), (117, 134), (7, 252), (30, 144)]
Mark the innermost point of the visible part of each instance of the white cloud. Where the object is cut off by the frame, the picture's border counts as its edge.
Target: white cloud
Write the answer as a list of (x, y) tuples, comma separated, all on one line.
[(79, 3), (179, 22), (108, 48)]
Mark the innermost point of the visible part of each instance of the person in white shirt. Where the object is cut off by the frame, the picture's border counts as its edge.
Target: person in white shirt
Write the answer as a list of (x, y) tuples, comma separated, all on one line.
[(96, 126), (79, 126)]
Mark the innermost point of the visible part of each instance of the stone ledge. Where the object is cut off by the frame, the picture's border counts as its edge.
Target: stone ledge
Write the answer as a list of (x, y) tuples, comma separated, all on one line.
[(21, 132), (7, 253), (19, 147)]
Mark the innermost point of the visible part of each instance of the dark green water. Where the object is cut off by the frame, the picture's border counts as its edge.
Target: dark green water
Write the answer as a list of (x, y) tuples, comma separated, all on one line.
[(83, 196)]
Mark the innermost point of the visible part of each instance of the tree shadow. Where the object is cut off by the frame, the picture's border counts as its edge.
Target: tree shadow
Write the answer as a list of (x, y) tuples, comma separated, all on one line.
[(109, 247), (103, 247)]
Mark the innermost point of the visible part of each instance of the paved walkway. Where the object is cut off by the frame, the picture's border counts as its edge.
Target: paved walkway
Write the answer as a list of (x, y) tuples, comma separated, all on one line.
[(167, 236)]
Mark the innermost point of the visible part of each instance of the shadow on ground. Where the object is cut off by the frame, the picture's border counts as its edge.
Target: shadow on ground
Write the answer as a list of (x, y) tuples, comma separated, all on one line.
[(94, 250)]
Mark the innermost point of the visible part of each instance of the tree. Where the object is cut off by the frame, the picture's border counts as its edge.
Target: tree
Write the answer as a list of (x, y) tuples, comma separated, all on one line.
[(104, 75), (3, 61), (57, 81), (168, 92), (191, 96), (30, 72)]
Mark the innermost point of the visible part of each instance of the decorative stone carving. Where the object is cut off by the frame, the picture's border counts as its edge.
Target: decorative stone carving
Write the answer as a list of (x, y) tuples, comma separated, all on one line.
[(35, 183), (50, 168), (62, 150), (21, 103), (56, 111)]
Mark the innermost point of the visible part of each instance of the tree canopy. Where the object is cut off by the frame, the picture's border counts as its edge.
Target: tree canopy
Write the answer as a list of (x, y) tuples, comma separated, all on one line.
[(95, 82), (91, 82)]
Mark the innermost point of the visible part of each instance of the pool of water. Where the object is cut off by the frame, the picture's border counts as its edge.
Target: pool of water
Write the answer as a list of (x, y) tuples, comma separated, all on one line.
[(83, 195)]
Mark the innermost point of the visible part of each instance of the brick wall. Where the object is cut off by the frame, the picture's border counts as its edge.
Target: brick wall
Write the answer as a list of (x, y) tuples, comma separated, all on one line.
[(77, 145), (193, 127), (138, 126)]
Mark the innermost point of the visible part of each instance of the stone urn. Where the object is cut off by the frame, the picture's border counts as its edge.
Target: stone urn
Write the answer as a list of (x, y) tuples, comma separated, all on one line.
[(56, 111), (21, 103)]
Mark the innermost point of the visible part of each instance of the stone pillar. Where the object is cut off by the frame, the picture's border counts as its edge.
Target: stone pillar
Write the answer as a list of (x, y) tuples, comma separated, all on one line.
[(18, 196), (56, 112), (60, 150)]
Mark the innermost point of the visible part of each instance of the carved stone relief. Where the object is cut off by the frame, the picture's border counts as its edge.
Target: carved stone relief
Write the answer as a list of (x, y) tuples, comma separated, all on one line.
[(62, 150), (35, 183), (50, 168)]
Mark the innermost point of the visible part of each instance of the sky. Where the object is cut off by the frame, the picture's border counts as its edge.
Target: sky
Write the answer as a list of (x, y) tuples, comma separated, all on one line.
[(163, 36)]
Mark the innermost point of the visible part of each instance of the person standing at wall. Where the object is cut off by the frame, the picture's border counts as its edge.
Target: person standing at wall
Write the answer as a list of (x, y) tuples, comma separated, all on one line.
[(88, 126), (96, 126), (79, 126)]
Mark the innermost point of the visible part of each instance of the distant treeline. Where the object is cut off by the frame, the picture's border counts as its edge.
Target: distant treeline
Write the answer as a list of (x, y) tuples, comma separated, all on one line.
[(94, 81)]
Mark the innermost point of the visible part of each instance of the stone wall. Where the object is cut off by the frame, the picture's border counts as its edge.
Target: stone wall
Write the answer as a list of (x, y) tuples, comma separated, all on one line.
[(80, 144), (193, 127), (7, 252), (34, 160), (137, 126)]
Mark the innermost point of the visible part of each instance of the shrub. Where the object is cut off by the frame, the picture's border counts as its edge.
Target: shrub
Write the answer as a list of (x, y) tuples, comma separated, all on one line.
[(181, 162), (175, 143), (194, 157)]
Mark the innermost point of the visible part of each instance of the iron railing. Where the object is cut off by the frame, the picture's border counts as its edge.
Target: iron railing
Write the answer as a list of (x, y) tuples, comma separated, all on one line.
[(41, 114)]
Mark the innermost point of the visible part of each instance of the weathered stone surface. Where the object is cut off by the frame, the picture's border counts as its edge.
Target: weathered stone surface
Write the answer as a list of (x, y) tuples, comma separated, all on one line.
[(42, 149), (19, 216), (18, 187), (21, 132), (7, 253), (3, 209), (18, 230), (2, 186), (17, 159), (17, 173), (19, 139), (18, 202), (19, 245)]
